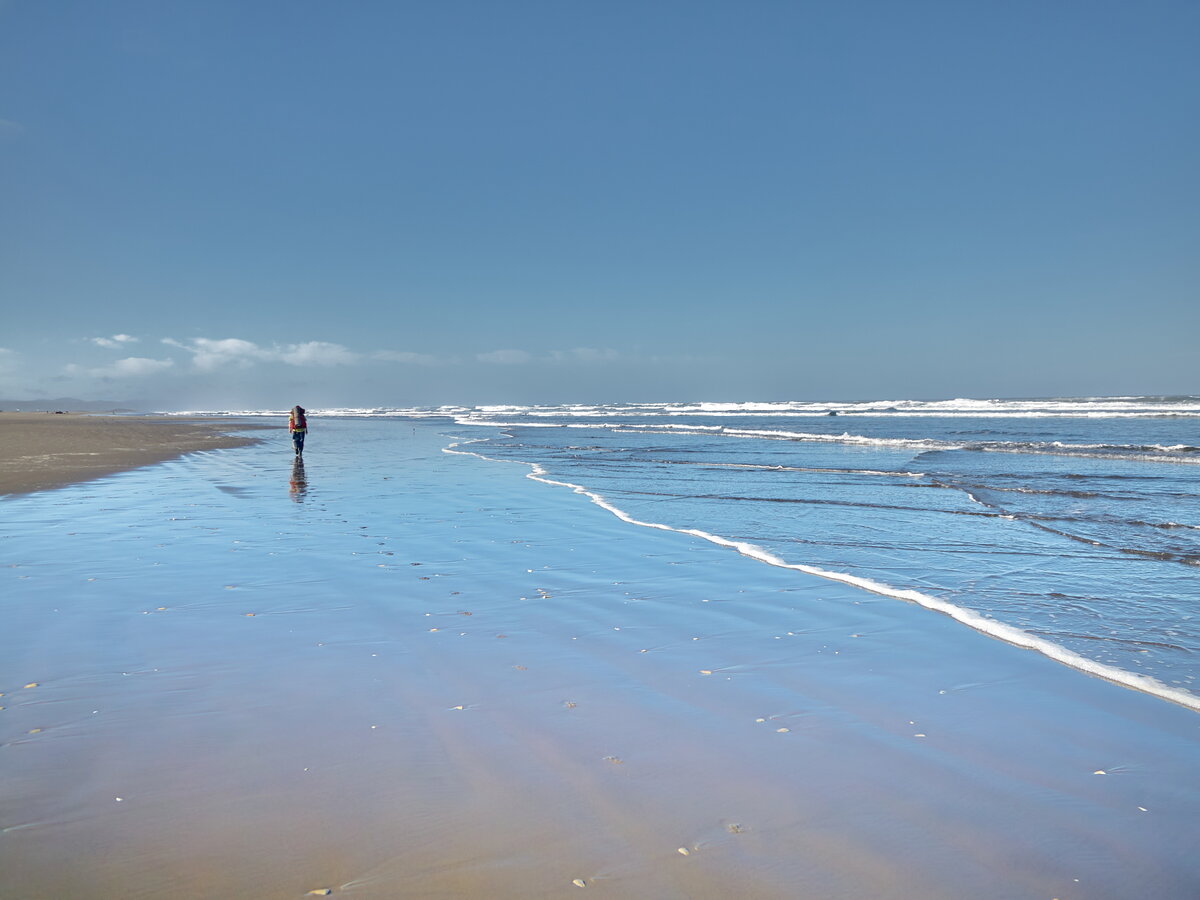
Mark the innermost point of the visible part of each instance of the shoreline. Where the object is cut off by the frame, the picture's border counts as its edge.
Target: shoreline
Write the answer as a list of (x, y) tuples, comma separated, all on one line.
[(1000, 631), (41, 451), (400, 672)]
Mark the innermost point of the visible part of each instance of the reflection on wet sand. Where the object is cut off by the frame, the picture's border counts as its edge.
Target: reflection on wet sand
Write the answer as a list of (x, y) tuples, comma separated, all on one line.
[(298, 484), (263, 702)]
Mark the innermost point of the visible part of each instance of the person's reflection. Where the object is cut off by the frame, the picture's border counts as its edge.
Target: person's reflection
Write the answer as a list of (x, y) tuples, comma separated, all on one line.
[(298, 483)]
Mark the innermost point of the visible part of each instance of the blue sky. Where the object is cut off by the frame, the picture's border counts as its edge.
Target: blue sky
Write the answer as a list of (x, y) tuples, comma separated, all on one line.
[(215, 204)]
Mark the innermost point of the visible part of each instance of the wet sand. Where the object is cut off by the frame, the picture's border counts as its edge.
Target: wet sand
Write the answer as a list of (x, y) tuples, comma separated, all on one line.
[(45, 450), (391, 672)]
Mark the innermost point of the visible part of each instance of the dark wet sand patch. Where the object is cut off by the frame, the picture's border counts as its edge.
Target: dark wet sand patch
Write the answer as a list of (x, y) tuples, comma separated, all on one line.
[(39, 451)]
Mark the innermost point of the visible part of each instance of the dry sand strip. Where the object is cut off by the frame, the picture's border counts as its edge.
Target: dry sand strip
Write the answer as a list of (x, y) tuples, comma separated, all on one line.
[(46, 450)]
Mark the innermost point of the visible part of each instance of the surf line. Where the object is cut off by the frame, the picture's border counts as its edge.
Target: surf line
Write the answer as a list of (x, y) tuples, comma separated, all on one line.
[(990, 627)]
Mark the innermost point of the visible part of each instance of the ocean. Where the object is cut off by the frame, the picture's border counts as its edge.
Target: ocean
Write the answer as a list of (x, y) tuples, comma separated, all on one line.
[(1068, 526)]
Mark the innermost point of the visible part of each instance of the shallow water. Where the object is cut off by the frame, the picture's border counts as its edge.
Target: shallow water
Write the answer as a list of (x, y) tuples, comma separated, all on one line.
[(1068, 525), (1083, 532), (402, 672)]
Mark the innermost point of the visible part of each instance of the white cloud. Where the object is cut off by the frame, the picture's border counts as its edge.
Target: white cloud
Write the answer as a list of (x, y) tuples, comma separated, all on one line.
[(130, 367), (505, 357), (315, 353), (403, 356), (585, 355), (140, 365), (115, 341), (209, 355)]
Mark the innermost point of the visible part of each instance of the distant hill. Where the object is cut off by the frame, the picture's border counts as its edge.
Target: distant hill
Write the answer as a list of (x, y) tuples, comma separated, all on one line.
[(66, 404)]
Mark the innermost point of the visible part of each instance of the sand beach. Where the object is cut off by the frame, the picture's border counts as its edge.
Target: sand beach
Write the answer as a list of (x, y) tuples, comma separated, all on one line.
[(44, 450), (390, 671)]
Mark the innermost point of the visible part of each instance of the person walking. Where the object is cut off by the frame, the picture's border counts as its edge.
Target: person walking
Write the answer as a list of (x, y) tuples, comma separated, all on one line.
[(298, 426)]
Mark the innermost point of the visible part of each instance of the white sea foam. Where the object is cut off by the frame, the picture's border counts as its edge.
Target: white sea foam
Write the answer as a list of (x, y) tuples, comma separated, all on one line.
[(1061, 407), (1068, 407), (991, 627), (513, 416), (1138, 452)]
